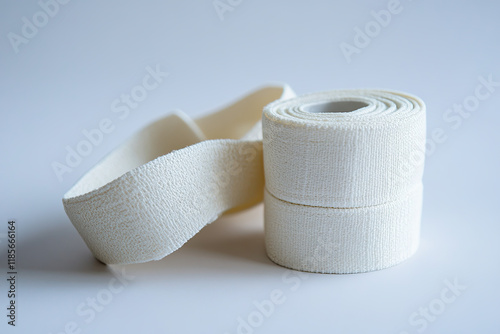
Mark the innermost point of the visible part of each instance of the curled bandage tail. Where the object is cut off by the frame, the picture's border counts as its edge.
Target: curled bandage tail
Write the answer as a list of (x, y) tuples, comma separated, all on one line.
[(156, 191)]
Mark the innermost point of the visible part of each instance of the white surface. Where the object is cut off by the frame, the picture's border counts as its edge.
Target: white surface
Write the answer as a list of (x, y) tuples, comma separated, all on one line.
[(66, 78)]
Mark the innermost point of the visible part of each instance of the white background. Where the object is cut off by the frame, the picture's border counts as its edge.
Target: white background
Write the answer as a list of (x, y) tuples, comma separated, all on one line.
[(64, 79)]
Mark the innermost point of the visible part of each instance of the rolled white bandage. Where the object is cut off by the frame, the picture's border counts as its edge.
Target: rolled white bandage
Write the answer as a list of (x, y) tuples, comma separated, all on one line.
[(343, 176)]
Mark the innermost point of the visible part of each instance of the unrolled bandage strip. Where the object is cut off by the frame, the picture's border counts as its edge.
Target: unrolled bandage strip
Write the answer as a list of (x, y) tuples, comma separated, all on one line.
[(342, 195)]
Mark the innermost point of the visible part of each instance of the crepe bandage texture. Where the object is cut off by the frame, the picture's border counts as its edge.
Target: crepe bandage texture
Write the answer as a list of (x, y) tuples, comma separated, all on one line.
[(337, 171)]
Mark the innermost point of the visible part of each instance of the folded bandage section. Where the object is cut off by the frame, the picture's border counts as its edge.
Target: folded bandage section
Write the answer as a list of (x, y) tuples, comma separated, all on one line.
[(155, 192), (343, 176)]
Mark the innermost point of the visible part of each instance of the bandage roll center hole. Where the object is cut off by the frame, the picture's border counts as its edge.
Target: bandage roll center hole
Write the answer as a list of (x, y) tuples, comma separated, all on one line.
[(335, 106)]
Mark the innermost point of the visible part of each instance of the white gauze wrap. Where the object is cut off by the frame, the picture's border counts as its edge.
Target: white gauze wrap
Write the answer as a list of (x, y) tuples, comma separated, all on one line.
[(343, 176), (343, 186)]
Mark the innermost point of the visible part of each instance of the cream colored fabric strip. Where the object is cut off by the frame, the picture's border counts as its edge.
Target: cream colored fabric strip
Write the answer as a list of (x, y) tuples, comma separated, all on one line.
[(343, 177), (154, 193), (342, 241), (343, 186)]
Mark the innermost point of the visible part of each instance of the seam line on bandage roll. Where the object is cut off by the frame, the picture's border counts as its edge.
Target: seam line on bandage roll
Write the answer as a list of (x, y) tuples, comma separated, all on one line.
[(344, 208)]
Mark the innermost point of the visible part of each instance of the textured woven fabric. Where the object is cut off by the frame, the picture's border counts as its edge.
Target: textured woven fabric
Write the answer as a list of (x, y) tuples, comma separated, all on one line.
[(342, 170), (151, 195), (343, 176)]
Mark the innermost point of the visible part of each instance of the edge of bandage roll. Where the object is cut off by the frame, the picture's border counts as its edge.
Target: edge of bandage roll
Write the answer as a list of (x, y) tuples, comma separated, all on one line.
[(169, 133), (339, 240)]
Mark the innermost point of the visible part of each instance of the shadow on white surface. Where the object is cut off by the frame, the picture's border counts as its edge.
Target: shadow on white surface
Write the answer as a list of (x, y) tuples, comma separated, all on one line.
[(234, 242), (58, 248)]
